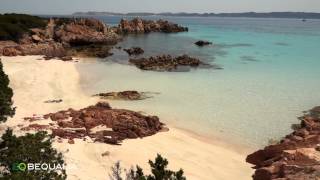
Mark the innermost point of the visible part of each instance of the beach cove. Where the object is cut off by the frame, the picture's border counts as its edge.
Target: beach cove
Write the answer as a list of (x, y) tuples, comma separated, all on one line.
[(40, 80)]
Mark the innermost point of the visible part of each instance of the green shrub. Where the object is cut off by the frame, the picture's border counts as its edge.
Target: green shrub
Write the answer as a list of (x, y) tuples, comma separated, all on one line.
[(159, 171), (6, 93), (31, 148)]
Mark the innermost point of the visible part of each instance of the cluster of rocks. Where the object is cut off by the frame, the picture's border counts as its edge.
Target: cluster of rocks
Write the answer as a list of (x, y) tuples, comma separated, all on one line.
[(124, 95), (101, 123), (202, 43), (296, 156), (60, 36), (165, 62), (82, 37), (134, 51), (138, 25)]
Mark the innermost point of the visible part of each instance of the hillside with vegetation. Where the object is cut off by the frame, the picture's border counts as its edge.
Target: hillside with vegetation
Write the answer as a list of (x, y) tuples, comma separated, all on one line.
[(13, 26)]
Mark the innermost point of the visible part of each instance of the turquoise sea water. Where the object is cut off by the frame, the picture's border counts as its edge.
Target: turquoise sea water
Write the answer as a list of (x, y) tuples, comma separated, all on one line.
[(271, 73)]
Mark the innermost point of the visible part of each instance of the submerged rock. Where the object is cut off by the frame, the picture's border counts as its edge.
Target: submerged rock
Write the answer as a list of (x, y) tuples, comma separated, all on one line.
[(202, 43), (103, 124), (134, 51), (165, 62), (295, 157), (124, 95)]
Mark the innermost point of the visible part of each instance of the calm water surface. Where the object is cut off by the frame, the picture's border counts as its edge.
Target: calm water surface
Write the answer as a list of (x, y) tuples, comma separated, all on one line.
[(271, 73)]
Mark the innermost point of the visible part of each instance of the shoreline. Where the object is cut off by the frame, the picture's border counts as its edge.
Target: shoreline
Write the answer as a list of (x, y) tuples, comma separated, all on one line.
[(200, 157)]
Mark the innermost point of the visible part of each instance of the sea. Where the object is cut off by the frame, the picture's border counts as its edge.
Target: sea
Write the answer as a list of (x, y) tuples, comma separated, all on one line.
[(268, 75)]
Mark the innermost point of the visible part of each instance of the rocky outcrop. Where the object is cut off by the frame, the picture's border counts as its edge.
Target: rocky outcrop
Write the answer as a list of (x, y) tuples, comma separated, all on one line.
[(63, 37), (134, 51), (202, 43), (102, 124), (166, 62), (80, 32), (297, 156), (124, 95), (138, 25)]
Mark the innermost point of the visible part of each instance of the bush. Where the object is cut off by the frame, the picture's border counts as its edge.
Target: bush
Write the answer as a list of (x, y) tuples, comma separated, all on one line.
[(13, 26), (6, 94), (158, 169), (31, 148)]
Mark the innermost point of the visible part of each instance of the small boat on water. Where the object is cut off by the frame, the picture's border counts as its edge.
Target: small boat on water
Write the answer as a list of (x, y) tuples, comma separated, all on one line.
[(304, 20)]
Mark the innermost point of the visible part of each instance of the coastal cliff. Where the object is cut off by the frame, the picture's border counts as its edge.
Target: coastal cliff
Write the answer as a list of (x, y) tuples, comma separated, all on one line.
[(296, 156)]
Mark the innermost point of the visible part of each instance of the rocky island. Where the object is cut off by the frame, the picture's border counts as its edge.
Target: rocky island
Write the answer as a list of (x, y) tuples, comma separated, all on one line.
[(138, 25)]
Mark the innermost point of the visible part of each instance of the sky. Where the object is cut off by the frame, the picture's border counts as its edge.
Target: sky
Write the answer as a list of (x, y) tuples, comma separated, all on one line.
[(123, 6)]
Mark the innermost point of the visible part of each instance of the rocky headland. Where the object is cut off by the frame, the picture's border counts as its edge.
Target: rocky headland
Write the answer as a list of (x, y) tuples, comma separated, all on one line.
[(138, 25), (166, 62), (62, 37), (296, 156), (99, 122)]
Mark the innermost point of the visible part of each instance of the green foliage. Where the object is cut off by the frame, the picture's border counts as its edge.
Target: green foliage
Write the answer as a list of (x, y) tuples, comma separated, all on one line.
[(158, 169), (6, 94), (13, 26), (31, 148)]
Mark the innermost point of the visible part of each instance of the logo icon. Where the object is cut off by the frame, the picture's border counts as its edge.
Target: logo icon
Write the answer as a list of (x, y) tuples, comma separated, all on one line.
[(19, 167)]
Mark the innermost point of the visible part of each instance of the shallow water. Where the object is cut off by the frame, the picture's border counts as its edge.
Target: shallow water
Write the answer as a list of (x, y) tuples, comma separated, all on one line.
[(270, 75)]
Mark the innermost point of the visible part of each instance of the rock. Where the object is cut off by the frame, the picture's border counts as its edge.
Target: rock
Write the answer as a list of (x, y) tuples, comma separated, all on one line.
[(165, 62), (71, 141), (78, 32), (11, 51), (134, 51), (121, 124), (36, 38), (138, 25), (295, 157), (61, 37), (124, 95), (54, 101), (66, 58), (36, 127), (202, 43), (101, 51), (107, 153)]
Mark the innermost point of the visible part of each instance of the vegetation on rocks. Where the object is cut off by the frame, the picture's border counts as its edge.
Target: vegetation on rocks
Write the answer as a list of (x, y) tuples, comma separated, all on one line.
[(13, 26)]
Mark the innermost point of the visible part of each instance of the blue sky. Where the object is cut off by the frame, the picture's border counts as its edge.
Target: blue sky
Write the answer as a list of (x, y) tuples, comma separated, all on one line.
[(70, 6)]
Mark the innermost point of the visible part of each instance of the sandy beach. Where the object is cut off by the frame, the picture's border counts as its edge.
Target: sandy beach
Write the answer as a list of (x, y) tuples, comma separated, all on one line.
[(35, 81)]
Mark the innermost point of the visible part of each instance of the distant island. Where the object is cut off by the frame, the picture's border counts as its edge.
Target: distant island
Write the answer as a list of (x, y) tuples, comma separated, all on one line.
[(299, 15)]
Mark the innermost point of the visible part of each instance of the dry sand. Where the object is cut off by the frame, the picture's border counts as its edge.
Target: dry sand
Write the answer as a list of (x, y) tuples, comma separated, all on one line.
[(35, 81)]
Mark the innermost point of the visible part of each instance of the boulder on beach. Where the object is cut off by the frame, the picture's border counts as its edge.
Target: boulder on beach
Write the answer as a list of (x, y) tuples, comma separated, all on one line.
[(296, 156), (102, 124)]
